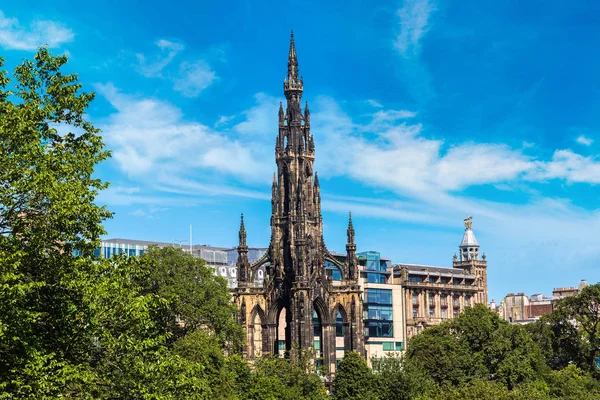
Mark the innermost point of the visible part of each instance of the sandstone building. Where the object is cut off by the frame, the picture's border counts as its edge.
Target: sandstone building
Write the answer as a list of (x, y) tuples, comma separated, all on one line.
[(278, 312), (433, 294)]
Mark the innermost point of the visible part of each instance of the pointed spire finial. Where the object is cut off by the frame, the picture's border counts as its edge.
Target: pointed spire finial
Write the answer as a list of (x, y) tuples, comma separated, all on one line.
[(292, 61), (350, 229), (242, 232), (316, 179), (274, 178)]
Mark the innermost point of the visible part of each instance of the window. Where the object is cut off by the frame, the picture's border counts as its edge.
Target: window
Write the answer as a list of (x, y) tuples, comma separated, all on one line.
[(444, 313), (388, 346), (415, 278), (456, 301), (444, 280), (379, 296), (443, 301), (316, 324), (383, 313), (317, 345), (456, 281), (431, 299), (399, 346), (432, 279), (339, 325), (431, 311), (415, 312), (281, 344), (373, 277), (415, 299), (380, 329)]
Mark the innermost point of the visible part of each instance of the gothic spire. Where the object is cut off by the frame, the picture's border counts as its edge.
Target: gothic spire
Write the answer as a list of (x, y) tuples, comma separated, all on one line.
[(242, 233), (292, 61), (281, 114), (350, 230)]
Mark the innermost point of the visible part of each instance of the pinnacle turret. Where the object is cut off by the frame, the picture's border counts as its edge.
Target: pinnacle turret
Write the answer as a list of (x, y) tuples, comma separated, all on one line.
[(350, 230), (242, 233)]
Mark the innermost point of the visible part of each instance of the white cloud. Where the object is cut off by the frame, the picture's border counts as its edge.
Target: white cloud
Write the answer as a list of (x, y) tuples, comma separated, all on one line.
[(572, 167), (260, 119), (151, 140), (414, 19), (224, 120), (584, 140), (193, 78), (190, 79), (38, 33), (154, 69), (374, 103)]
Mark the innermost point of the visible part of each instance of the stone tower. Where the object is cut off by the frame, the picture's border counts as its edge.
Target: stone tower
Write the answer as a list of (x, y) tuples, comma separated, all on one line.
[(297, 294), (470, 261)]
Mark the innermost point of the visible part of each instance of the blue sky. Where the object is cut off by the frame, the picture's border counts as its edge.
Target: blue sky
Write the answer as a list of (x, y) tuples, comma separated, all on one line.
[(423, 112)]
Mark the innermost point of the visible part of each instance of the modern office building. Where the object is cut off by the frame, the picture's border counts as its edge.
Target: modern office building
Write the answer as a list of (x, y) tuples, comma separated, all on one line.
[(221, 259)]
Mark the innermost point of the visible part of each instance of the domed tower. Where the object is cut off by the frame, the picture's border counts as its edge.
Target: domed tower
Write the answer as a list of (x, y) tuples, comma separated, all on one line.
[(470, 260)]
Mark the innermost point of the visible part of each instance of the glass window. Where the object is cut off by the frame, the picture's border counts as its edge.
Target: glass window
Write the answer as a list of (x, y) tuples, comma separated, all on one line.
[(388, 346), (339, 325), (399, 346), (97, 252), (456, 281), (281, 344), (415, 312), (379, 329), (379, 296), (373, 277), (415, 278), (444, 313), (444, 279), (317, 345), (316, 324), (383, 313), (431, 310), (432, 279)]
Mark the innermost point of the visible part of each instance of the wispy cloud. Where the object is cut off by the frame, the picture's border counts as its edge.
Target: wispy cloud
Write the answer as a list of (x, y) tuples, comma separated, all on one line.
[(193, 78), (38, 33), (224, 120), (190, 78), (154, 69), (414, 18), (374, 103), (152, 141), (584, 140), (402, 159)]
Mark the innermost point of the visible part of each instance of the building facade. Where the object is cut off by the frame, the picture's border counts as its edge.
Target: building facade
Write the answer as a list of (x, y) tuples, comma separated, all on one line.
[(432, 295), (220, 259), (296, 299), (522, 309)]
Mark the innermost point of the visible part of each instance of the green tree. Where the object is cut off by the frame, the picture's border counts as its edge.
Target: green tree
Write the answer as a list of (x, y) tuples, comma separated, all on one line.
[(476, 344), (48, 152), (572, 383), (394, 380), (354, 379), (197, 298), (71, 325), (286, 378)]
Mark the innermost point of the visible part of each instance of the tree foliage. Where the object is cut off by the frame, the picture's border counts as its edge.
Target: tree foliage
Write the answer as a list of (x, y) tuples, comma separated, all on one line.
[(476, 344), (197, 297), (571, 333)]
